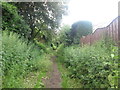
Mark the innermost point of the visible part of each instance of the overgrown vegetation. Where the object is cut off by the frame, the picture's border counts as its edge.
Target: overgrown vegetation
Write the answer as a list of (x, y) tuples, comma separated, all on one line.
[(70, 35), (94, 66), (12, 21), (67, 82), (64, 35), (27, 32), (19, 58), (29, 35), (42, 17), (79, 29)]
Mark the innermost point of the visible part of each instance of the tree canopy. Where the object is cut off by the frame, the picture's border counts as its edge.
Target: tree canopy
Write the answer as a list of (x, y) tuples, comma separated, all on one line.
[(36, 19), (12, 21), (41, 15), (79, 29)]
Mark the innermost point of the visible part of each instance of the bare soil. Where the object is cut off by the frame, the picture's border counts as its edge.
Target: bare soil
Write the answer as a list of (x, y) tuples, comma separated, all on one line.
[(54, 79)]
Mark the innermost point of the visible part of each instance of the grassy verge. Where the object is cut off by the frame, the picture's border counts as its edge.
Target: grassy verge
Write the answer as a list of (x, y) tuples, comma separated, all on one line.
[(34, 79), (67, 82)]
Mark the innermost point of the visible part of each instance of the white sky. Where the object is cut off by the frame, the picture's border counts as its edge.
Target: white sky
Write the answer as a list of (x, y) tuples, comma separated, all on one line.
[(99, 12)]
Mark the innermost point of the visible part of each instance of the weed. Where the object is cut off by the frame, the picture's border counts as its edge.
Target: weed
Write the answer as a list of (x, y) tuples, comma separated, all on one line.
[(93, 65)]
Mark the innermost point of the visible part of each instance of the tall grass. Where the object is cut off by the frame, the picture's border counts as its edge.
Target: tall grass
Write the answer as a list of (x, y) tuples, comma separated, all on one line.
[(18, 59), (94, 66)]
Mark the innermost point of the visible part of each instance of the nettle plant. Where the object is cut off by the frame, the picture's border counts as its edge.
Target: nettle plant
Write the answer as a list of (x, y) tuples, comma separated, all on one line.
[(95, 66), (18, 58)]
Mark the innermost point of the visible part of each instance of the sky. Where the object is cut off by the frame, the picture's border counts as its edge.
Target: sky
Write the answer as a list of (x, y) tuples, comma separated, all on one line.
[(99, 12)]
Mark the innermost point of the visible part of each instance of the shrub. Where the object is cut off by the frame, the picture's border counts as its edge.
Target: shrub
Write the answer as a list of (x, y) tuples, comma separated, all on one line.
[(60, 52), (92, 65), (41, 46), (18, 59), (12, 21)]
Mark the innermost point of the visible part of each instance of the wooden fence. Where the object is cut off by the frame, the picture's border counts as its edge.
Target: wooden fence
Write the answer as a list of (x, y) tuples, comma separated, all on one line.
[(109, 31)]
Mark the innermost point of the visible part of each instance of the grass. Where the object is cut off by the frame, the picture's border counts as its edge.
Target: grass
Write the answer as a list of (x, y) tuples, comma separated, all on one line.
[(39, 83), (34, 79), (67, 82)]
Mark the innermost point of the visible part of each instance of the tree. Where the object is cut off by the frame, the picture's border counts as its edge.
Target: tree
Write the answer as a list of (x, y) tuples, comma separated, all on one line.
[(79, 29), (39, 14), (12, 21), (64, 35)]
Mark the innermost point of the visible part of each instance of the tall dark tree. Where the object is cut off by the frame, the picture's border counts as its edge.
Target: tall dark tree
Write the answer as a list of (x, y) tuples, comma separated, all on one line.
[(12, 21), (38, 14), (79, 29)]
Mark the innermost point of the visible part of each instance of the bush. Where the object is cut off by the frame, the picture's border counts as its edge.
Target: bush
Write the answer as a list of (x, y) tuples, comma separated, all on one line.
[(18, 59), (41, 46), (60, 52), (92, 65), (12, 21)]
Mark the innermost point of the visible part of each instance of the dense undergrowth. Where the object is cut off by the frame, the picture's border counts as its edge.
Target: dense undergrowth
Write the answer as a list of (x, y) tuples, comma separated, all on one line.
[(93, 66), (12, 21), (19, 58), (25, 57)]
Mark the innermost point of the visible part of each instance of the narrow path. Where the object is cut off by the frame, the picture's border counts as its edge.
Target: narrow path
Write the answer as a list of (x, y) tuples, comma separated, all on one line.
[(54, 79)]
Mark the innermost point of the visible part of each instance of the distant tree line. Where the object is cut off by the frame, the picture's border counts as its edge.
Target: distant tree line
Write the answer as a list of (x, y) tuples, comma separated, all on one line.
[(71, 35)]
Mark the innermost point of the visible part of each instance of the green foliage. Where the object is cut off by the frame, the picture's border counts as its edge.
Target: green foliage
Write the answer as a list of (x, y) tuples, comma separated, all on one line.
[(43, 35), (41, 15), (12, 21), (41, 46), (60, 52), (67, 82), (19, 58), (49, 12), (79, 29), (64, 35), (53, 46), (93, 66), (70, 36)]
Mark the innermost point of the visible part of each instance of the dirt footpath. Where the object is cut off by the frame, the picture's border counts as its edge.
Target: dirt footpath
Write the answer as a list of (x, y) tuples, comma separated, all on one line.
[(54, 79)]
